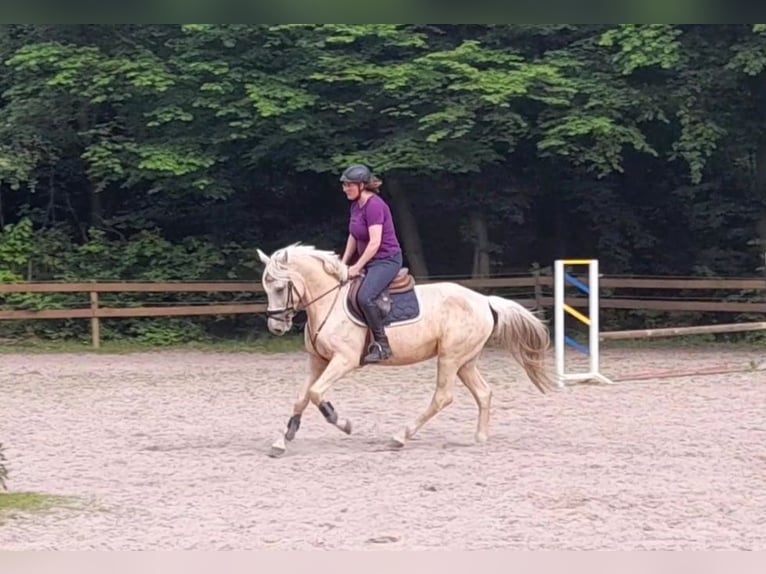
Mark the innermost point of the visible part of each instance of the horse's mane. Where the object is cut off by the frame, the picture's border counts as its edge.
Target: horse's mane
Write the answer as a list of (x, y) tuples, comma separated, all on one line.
[(279, 261)]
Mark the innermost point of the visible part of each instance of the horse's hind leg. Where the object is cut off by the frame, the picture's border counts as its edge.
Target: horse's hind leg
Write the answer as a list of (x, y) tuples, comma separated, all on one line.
[(471, 377), (442, 397)]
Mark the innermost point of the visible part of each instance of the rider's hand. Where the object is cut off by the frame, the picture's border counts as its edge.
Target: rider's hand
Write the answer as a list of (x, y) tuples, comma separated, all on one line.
[(354, 271)]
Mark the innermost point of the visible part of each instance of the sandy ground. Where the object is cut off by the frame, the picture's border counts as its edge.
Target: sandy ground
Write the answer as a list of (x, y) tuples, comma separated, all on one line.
[(167, 451)]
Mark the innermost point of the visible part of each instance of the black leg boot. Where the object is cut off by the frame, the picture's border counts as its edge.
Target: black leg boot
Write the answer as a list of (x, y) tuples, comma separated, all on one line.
[(379, 350)]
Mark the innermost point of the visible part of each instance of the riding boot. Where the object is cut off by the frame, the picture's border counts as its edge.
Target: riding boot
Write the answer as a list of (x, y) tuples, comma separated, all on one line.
[(379, 350)]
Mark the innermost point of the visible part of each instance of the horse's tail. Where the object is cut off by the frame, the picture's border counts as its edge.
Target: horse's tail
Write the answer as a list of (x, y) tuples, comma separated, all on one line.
[(519, 331)]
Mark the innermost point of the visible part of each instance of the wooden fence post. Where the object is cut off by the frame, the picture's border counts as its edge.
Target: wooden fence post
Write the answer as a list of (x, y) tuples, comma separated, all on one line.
[(95, 325)]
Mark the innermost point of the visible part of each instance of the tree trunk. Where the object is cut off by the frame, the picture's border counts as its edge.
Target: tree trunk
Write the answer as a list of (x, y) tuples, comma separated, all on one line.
[(560, 232), (407, 227), (480, 236), (760, 176), (760, 170), (96, 208)]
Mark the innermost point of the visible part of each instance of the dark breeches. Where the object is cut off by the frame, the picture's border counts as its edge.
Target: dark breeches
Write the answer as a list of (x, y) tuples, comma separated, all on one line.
[(380, 272)]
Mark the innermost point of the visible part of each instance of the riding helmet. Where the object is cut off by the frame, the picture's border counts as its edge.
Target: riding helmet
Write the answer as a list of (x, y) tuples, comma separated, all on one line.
[(357, 174)]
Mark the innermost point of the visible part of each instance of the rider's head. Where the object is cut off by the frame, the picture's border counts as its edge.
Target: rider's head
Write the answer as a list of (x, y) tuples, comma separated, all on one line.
[(358, 178)]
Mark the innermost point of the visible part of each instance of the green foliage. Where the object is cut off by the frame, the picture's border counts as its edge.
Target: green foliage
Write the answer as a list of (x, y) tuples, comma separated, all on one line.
[(169, 152), (51, 255), (699, 138), (596, 142), (750, 52), (160, 332), (642, 45), (16, 245)]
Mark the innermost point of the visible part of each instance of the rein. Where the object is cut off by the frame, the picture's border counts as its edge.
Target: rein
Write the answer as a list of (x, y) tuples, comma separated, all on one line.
[(292, 307)]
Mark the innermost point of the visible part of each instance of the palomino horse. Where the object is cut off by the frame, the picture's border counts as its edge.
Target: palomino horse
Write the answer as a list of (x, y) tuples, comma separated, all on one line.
[(443, 320)]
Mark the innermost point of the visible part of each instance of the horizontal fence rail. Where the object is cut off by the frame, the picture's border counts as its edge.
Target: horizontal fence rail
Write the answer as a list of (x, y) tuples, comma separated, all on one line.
[(670, 331), (135, 312), (536, 288), (95, 311), (128, 287)]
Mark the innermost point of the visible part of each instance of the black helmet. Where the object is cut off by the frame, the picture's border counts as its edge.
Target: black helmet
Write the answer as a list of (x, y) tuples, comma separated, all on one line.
[(357, 174)]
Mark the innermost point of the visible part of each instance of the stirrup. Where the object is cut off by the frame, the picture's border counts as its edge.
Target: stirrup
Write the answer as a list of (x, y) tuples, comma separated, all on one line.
[(376, 353)]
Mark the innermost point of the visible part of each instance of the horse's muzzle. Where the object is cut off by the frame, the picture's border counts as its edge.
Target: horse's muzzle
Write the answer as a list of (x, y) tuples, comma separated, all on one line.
[(279, 326)]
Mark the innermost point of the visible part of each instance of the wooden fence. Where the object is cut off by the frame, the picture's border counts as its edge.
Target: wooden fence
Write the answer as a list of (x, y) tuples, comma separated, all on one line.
[(535, 293)]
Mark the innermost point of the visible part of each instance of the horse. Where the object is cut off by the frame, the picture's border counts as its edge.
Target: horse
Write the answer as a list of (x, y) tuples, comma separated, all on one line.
[(443, 319)]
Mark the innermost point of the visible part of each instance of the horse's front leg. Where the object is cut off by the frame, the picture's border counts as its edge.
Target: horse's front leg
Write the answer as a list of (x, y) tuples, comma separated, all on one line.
[(317, 366), (339, 366), (314, 392)]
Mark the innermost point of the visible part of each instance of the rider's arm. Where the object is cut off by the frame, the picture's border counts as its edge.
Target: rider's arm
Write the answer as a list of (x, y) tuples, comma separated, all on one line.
[(350, 249)]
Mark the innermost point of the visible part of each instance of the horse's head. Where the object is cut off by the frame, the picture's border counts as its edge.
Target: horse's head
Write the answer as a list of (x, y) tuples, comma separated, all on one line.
[(291, 275)]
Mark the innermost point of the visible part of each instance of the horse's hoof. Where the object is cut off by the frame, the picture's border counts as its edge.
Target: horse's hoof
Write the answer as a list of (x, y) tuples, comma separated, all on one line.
[(278, 447), (395, 443), (346, 427), (276, 451)]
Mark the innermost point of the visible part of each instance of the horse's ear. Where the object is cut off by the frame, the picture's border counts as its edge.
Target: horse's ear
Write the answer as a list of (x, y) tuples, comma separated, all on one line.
[(263, 257)]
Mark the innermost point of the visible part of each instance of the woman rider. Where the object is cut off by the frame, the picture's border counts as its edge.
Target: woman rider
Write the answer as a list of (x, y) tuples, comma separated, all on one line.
[(372, 237)]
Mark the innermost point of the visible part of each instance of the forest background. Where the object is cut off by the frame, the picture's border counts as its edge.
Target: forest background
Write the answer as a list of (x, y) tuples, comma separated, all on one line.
[(171, 152)]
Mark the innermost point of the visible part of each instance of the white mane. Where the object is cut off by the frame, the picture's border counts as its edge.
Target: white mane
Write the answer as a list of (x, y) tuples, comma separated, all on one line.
[(278, 266)]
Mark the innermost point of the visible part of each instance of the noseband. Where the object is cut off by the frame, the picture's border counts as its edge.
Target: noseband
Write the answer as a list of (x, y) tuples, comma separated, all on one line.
[(289, 307)]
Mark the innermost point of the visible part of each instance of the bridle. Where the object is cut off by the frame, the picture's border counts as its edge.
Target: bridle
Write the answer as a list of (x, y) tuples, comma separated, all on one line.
[(292, 307)]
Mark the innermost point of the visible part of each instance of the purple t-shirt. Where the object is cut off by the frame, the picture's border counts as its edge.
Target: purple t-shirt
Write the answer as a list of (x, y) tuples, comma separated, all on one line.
[(375, 211)]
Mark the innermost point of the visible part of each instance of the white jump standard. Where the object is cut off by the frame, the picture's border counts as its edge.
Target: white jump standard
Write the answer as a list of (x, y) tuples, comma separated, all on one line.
[(561, 278)]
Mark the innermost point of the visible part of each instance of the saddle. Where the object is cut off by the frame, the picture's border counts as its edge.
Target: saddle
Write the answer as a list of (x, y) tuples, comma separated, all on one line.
[(402, 283)]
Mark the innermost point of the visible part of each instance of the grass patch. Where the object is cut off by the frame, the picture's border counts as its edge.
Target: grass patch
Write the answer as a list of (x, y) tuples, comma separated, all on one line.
[(15, 503), (267, 344)]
